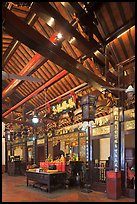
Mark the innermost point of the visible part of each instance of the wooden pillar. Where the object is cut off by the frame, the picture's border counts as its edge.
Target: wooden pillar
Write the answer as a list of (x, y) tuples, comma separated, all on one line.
[(89, 152), (46, 146), (122, 149), (6, 156), (113, 182), (114, 139), (10, 135), (6, 149), (25, 135), (78, 146), (88, 104), (34, 144), (88, 145), (117, 139), (122, 140)]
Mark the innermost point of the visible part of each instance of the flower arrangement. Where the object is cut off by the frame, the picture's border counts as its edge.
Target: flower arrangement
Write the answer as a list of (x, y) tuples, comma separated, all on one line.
[(12, 158), (49, 159), (74, 157)]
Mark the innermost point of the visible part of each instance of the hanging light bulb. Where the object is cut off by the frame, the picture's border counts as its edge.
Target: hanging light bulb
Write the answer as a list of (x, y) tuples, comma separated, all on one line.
[(35, 119), (59, 35)]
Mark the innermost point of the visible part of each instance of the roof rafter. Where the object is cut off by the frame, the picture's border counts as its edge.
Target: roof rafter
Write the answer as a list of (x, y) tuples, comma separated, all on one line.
[(40, 44)]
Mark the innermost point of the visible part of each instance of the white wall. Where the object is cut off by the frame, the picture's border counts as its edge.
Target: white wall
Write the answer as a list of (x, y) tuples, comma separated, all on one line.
[(104, 148), (3, 143)]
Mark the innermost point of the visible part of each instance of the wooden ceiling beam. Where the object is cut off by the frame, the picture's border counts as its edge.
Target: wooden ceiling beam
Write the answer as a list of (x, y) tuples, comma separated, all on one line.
[(88, 19), (4, 106), (129, 79), (30, 96), (35, 62), (10, 50), (33, 39), (62, 24), (120, 30), (31, 19), (43, 9)]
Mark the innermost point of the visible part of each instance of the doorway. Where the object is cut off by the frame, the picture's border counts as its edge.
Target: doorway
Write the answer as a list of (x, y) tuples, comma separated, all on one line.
[(100, 154)]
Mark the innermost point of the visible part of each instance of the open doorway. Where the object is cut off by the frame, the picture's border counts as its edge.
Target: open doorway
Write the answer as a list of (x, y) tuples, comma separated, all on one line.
[(100, 154)]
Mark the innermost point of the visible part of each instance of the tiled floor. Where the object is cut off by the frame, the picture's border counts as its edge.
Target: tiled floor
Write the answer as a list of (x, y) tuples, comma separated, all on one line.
[(14, 189)]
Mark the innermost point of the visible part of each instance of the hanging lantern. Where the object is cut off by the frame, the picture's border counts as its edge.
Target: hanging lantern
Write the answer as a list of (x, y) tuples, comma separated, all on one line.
[(88, 104)]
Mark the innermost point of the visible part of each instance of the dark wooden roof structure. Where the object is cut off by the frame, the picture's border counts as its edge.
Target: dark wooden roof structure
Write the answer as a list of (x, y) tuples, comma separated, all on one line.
[(97, 49)]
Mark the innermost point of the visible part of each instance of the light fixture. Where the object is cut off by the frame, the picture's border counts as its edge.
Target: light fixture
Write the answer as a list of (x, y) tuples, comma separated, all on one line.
[(125, 73), (96, 52), (59, 35), (63, 3), (103, 90), (51, 22), (130, 91), (35, 119), (72, 39)]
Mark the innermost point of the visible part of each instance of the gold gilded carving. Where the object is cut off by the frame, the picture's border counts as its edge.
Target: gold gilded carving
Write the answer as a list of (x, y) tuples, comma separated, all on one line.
[(101, 130), (81, 134), (71, 103), (41, 141), (29, 143), (49, 134), (129, 125)]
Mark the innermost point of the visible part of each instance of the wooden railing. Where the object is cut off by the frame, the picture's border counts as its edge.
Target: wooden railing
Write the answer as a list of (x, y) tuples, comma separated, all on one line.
[(99, 171)]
